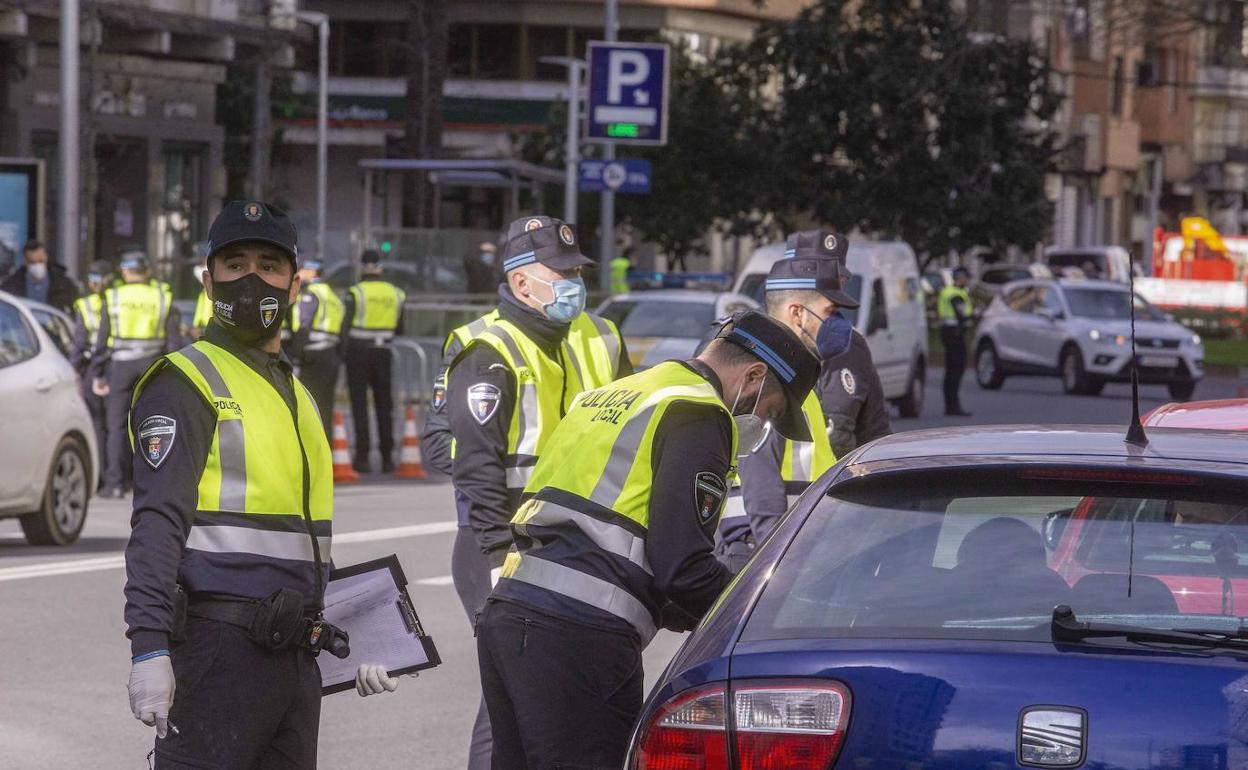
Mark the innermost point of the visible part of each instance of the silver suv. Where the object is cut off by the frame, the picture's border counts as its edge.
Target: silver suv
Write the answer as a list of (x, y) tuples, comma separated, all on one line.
[(1080, 331)]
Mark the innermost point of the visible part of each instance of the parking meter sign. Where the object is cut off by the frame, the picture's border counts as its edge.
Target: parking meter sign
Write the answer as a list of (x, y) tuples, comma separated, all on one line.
[(628, 88)]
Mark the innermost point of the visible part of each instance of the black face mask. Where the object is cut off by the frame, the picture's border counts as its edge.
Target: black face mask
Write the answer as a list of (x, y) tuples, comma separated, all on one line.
[(249, 308)]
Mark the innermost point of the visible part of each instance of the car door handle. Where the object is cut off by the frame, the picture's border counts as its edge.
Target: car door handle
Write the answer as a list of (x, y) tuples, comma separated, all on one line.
[(43, 384)]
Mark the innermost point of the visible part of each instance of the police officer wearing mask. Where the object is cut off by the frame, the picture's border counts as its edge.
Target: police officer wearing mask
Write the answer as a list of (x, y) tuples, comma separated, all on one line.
[(374, 316), (87, 312), (316, 339), (513, 373), (614, 540), (138, 325), (956, 313), (233, 509)]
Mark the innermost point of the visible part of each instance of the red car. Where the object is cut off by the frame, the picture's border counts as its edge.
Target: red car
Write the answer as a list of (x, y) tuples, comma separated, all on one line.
[(1187, 550)]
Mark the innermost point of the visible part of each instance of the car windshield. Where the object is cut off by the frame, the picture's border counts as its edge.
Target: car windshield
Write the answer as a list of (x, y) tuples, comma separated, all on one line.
[(661, 318), (993, 566), (1109, 305)]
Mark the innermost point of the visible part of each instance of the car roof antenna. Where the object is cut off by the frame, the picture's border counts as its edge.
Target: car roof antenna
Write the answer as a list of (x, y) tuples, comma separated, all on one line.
[(1135, 431)]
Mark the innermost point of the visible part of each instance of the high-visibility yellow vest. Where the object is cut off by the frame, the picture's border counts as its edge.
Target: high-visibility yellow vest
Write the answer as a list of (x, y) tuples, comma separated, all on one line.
[(944, 302), (326, 326), (805, 461), (203, 311), (266, 485), (619, 275), (469, 331), (546, 386), (377, 308), (89, 309), (137, 313), (590, 496)]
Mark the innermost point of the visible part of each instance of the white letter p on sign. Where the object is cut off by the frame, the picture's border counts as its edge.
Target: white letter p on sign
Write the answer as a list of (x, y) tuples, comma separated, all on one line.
[(625, 68)]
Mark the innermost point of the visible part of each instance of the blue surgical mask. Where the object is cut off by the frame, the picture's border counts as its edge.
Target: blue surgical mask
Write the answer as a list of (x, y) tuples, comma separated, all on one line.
[(835, 335), (569, 299), (487, 257)]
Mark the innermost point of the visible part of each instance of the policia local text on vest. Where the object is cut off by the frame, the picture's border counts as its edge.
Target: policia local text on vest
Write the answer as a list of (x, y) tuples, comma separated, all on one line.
[(513, 374), (138, 324), (233, 511), (614, 540), (373, 316)]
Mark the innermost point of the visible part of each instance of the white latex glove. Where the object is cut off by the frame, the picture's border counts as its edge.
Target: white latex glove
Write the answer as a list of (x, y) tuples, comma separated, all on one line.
[(151, 692), (495, 574), (372, 678), (100, 388)]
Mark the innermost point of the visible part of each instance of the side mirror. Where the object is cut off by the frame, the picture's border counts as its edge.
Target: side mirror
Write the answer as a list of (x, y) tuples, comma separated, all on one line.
[(1054, 525)]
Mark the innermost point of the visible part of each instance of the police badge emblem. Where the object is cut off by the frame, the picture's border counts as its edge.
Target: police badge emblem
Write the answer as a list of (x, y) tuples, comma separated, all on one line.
[(252, 212), (483, 400), (848, 382), (709, 491), (156, 435), (532, 224), (565, 235), (439, 392), (268, 311), (829, 242)]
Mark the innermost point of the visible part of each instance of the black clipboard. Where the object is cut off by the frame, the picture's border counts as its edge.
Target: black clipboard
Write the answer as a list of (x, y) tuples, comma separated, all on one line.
[(404, 608)]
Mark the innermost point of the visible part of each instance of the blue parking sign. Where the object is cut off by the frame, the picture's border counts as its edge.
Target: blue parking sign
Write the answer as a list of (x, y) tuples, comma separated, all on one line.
[(623, 175), (628, 85)]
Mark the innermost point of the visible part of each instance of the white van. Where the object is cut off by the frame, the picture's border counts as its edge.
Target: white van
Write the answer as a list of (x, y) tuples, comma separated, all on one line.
[(886, 283)]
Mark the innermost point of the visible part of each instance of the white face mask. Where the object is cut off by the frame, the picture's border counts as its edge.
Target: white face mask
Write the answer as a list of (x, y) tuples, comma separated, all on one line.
[(37, 270), (752, 430)]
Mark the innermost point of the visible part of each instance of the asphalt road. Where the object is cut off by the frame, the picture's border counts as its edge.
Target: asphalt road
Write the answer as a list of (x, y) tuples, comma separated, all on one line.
[(65, 660)]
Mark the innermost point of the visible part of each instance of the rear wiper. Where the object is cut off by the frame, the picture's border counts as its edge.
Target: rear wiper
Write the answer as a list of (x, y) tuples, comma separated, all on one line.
[(1066, 627)]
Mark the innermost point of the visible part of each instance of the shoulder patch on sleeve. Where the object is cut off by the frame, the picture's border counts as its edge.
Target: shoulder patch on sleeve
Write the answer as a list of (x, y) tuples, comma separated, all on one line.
[(439, 392), (709, 492), (848, 382), (483, 400), (156, 437)]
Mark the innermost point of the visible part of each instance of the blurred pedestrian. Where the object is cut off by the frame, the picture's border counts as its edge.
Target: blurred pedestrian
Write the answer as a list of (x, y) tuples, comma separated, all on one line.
[(41, 280), (482, 269), (619, 274), (373, 317), (87, 312), (955, 312), (139, 325), (316, 339)]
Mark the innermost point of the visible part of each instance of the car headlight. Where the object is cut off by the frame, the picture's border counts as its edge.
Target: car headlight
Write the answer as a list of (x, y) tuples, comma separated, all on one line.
[(1095, 335), (1194, 340)]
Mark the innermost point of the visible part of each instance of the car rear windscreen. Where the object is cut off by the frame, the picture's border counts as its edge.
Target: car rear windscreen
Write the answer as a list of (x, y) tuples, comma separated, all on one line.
[(902, 565), (660, 318)]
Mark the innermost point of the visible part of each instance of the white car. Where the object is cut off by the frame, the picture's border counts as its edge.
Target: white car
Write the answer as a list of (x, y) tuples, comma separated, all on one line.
[(48, 457), (664, 324), (1081, 331)]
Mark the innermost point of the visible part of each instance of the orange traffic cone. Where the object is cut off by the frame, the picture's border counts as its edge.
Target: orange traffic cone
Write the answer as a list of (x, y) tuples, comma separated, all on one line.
[(343, 472), (409, 456)]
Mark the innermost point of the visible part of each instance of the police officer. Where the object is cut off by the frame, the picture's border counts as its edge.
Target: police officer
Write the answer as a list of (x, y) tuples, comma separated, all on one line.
[(512, 375), (374, 315), (805, 292), (316, 339), (955, 312), (87, 311), (614, 540), (233, 508), (138, 326)]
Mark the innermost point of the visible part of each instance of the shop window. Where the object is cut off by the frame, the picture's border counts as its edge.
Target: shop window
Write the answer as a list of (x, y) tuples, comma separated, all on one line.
[(181, 221), (498, 52), (459, 48), (1117, 88), (547, 41)]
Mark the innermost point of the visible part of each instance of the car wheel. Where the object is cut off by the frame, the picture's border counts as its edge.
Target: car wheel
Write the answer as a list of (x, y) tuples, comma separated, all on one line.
[(1181, 391), (1074, 376), (911, 404), (988, 368), (63, 512)]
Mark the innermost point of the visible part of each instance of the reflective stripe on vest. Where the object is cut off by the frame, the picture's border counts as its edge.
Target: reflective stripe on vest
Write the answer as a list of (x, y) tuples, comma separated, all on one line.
[(377, 306), (203, 311), (89, 308), (591, 496), (805, 461), (470, 331), (944, 303), (592, 349), (250, 499), (326, 327)]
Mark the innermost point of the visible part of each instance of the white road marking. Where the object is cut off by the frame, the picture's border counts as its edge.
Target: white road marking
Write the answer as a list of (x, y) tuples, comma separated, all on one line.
[(73, 566), (444, 580)]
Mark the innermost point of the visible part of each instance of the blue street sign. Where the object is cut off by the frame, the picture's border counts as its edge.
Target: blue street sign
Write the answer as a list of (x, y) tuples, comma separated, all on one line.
[(623, 175), (628, 85)]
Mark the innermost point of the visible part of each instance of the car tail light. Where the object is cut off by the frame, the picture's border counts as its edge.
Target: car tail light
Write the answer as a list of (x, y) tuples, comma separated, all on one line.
[(778, 726), (790, 726), (688, 733)]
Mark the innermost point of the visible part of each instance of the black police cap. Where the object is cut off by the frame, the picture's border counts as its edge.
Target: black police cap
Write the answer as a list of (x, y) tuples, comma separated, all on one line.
[(547, 240), (370, 257), (821, 244), (242, 221), (789, 360), (825, 276)]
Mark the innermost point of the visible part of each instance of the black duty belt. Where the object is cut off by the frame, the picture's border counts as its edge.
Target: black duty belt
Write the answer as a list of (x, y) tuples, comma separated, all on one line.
[(239, 613)]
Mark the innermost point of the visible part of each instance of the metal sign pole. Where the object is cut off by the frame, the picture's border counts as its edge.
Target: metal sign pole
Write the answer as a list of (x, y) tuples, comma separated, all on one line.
[(607, 223), (69, 226), (574, 142)]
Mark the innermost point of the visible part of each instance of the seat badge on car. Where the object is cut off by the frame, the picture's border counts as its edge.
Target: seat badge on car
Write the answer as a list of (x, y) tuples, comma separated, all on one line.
[(1052, 736)]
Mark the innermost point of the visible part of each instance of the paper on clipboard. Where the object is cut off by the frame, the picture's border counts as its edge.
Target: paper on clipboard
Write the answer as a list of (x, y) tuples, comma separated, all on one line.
[(369, 601)]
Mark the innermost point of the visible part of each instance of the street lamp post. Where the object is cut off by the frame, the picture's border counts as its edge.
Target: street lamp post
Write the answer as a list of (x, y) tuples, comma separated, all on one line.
[(321, 22), (68, 224), (572, 154)]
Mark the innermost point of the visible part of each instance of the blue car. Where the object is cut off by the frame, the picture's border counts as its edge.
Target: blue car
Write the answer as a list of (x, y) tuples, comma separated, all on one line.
[(1000, 597)]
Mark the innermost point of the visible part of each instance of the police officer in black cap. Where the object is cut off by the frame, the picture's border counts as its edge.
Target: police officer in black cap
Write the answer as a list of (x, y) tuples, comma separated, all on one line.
[(232, 526), (614, 540)]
